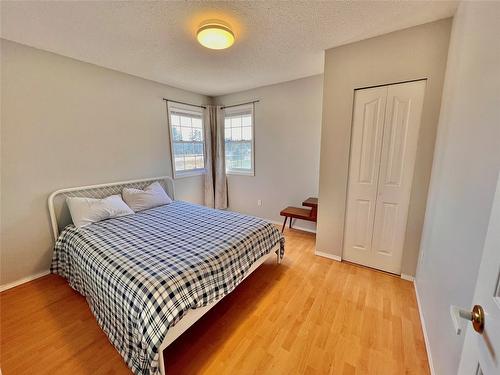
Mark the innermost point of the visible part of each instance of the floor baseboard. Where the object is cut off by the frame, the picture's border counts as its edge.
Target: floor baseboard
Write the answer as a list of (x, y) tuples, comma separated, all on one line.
[(404, 276), (23, 280), (329, 256), (424, 330)]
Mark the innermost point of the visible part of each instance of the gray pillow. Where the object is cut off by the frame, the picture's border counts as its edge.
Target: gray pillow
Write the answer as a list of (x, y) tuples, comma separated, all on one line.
[(140, 200)]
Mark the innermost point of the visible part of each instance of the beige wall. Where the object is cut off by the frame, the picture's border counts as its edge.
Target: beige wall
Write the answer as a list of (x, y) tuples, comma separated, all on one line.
[(67, 123), (287, 139), (464, 178), (414, 53)]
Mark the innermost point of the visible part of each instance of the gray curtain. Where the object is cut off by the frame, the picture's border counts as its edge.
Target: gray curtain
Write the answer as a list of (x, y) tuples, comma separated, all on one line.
[(215, 163)]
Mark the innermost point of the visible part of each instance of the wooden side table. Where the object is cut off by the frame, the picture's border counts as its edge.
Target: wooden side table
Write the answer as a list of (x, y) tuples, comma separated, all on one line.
[(308, 214)]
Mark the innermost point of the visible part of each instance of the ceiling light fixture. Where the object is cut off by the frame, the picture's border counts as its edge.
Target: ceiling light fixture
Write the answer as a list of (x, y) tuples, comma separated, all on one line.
[(215, 35)]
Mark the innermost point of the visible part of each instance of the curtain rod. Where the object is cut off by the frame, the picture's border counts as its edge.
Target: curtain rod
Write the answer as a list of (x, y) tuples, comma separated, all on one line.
[(202, 106), (175, 101), (236, 105)]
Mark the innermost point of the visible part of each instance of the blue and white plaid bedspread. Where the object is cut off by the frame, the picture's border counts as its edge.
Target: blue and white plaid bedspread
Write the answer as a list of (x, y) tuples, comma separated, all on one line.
[(141, 273)]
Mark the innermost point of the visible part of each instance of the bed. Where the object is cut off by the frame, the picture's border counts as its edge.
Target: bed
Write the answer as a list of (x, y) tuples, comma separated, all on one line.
[(149, 276)]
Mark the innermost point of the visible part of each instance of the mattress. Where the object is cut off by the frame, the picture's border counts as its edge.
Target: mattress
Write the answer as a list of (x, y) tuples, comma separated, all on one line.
[(142, 273)]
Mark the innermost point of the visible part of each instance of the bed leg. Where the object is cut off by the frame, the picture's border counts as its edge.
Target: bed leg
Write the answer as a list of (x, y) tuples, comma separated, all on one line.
[(278, 258), (162, 364)]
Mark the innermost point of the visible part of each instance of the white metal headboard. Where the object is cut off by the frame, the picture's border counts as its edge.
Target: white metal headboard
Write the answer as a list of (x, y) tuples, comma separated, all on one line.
[(59, 212)]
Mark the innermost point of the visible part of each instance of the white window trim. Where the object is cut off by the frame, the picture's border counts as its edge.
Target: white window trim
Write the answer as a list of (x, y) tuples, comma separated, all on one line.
[(234, 110), (171, 106)]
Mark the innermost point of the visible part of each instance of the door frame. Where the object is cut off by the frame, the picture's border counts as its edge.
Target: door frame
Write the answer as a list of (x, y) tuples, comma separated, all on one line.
[(349, 160)]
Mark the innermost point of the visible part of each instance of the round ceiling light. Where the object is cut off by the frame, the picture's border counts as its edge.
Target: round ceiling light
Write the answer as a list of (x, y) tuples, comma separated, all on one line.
[(215, 35)]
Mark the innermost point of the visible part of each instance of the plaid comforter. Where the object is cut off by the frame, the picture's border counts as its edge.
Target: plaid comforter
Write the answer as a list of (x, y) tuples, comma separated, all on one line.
[(141, 273)]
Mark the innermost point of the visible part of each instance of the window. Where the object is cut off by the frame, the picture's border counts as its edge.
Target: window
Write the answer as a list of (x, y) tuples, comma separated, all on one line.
[(186, 139), (239, 139)]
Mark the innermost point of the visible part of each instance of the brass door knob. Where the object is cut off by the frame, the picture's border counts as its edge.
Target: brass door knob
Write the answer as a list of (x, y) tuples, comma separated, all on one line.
[(477, 318)]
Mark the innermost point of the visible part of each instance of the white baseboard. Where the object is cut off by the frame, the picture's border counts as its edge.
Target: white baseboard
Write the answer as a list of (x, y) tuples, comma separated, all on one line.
[(23, 280), (329, 256), (294, 227), (404, 276), (424, 330)]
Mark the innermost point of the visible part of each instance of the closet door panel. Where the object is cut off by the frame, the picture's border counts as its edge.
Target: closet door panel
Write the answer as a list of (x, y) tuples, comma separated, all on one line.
[(399, 145), (366, 141), (396, 137), (389, 212), (363, 222)]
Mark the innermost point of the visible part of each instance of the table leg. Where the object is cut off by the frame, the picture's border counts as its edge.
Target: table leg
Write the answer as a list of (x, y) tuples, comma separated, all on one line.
[(284, 224)]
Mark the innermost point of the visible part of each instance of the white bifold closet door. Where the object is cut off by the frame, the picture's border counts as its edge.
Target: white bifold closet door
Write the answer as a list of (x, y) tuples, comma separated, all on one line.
[(385, 129)]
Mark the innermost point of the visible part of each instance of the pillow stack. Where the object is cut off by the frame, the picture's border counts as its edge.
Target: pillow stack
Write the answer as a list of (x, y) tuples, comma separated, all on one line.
[(85, 211)]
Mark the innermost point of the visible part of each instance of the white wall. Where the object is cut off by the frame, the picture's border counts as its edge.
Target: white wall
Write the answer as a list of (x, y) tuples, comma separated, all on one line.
[(287, 139), (464, 176), (414, 53), (68, 123)]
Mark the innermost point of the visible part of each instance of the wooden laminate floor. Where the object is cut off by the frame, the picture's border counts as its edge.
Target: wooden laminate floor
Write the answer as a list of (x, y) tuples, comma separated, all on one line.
[(309, 315)]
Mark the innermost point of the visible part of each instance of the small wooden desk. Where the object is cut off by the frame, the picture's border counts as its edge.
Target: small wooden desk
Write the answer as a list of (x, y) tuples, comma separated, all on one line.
[(313, 203), (309, 214)]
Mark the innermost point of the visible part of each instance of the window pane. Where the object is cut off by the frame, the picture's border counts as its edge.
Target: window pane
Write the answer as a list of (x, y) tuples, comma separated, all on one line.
[(185, 121), (188, 149), (238, 155), (246, 133), (236, 134), (190, 162), (179, 163), (178, 149), (176, 133), (197, 135), (198, 148), (246, 155), (247, 120), (200, 162), (175, 120), (229, 154), (187, 141), (233, 161), (197, 123), (187, 134), (236, 121)]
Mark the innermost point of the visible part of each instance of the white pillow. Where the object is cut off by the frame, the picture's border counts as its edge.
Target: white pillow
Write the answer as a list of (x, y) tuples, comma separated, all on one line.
[(140, 200), (85, 211)]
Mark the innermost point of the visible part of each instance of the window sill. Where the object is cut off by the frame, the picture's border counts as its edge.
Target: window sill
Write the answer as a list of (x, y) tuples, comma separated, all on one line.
[(193, 173), (241, 173)]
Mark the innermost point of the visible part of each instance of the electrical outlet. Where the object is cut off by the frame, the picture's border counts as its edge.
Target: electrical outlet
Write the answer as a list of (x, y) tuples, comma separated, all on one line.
[(259, 202)]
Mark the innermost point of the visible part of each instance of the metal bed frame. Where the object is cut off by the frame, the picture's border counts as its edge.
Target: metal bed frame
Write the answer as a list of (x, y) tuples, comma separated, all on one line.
[(60, 218)]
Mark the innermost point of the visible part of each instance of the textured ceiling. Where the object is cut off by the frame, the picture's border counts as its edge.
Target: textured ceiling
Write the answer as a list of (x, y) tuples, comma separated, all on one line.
[(275, 41)]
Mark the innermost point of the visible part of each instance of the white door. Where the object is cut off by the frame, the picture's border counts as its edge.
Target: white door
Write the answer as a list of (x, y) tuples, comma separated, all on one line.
[(386, 122), (367, 134), (481, 352)]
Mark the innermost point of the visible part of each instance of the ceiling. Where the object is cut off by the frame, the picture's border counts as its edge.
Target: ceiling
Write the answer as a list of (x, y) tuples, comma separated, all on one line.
[(275, 41)]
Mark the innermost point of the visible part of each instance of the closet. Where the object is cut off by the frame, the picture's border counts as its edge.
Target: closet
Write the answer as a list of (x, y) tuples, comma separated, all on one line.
[(385, 128)]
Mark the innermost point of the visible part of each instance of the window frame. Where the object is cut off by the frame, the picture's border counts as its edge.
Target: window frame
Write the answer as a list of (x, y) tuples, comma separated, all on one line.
[(232, 111), (189, 110)]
